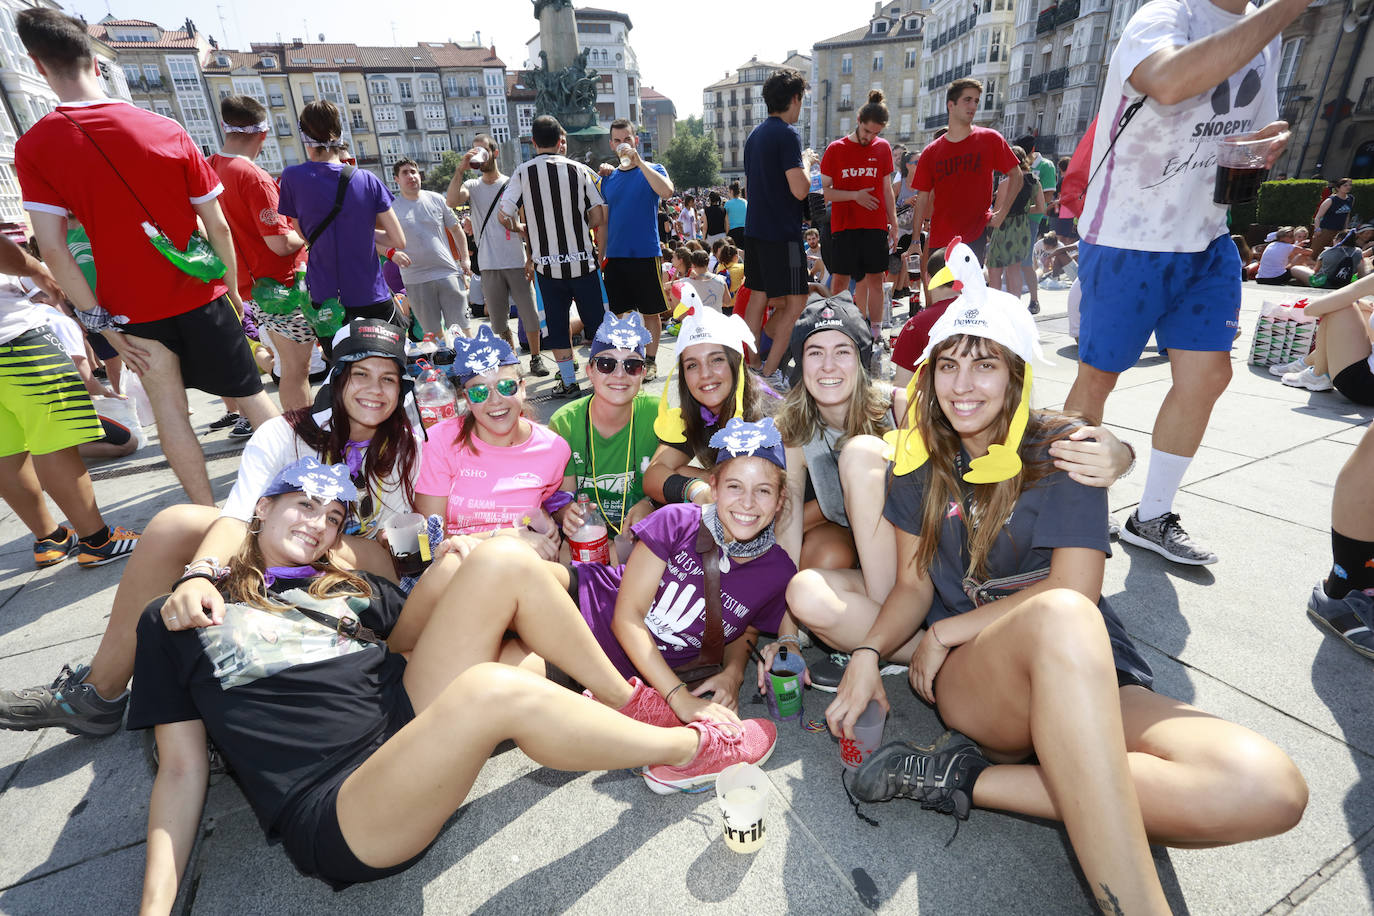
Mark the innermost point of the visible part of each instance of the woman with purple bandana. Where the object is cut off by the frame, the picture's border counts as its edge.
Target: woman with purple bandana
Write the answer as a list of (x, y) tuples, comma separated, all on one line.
[(650, 615)]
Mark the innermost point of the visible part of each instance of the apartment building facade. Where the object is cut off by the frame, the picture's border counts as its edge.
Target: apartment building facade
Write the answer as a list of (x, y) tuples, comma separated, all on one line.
[(260, 75), (733, 106), (965, 39), (1058, 62), (605, 35), (884, 54)]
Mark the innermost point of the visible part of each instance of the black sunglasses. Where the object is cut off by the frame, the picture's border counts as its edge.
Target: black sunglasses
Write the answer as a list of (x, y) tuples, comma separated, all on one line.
[(633, 365)]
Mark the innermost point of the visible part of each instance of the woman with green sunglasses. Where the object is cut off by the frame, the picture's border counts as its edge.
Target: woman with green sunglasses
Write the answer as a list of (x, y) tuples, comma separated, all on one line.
[(493, 471)]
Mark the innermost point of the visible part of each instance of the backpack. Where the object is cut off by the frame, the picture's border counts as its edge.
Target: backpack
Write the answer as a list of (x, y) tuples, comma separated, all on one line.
[(1074, 188)]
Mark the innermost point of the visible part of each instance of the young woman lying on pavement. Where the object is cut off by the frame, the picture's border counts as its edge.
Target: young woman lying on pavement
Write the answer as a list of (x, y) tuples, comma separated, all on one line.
[(1022, 654), (403, 699), (364, 425)]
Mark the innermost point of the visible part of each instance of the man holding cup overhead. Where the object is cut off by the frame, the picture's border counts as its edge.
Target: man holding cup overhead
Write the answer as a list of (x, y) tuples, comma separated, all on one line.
[(1187, 77)]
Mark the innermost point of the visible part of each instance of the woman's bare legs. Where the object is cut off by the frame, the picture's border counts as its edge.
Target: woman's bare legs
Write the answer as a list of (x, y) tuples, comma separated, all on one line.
[(394, 805), (834, 604), (825, 545), (1341, 341), (863, 477), (519, 592), (294, 388), (168, 543)]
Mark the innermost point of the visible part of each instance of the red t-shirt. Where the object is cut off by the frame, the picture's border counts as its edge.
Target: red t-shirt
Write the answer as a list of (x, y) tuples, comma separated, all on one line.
[(853, 167), (963, 173), (249, 203), (61, 171), (915, 335)]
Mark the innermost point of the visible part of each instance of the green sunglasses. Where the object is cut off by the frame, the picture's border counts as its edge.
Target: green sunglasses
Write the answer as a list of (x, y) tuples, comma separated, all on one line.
[(504, 387)]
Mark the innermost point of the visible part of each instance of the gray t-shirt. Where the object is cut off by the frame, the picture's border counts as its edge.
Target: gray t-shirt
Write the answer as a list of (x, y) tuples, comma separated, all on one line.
[(500, 249), (423, 221), (1053, 512)]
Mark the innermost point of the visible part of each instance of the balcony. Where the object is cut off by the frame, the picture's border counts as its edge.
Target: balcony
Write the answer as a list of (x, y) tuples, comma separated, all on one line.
[(935, 122), (431, 97), (1046, 20), (463, 92), (277, 101), (1037, 84), (470, 122), (354, 99), (283, 130), (845, 105), (1055, 79), (1067, 12), (1082, 75)]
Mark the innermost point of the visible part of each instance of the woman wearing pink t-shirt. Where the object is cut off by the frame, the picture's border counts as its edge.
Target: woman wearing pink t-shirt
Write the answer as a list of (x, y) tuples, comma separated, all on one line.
[(492, 471)]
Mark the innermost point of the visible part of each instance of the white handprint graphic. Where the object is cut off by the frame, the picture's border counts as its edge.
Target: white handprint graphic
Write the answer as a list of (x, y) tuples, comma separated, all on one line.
[(673, 611)]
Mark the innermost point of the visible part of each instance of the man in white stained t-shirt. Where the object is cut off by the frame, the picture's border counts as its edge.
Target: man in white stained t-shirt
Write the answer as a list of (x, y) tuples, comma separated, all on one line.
[(1155, 255)]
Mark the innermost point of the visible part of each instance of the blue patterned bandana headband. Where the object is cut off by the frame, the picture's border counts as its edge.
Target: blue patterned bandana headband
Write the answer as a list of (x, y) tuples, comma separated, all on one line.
[(626, 333), (481, 354), (328, 482), (738, 439)]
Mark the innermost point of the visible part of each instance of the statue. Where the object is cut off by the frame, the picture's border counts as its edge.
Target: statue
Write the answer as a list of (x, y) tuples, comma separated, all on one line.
[(563, 84)]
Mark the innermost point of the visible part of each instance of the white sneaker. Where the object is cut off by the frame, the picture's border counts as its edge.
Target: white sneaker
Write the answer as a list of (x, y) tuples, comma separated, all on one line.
[(1309, 379), (1296, 365)]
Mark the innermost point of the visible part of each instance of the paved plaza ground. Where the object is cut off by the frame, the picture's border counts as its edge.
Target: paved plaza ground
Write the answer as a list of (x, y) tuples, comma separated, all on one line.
[(1230, 638)]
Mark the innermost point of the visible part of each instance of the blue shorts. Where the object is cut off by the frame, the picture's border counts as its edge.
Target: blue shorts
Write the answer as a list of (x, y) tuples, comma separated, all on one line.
[(558, 297), (1189, 300)]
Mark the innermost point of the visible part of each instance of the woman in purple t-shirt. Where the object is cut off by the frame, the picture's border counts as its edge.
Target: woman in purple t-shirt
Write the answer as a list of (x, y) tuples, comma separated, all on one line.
[(343, 262), (650, 614)]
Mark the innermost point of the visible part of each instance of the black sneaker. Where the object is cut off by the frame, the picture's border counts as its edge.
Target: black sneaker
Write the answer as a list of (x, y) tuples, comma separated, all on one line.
[(537, 366), (1166, 537), (225, 421), (1349, 619), (242, 429), (68, 703), (1034, 307), (563, 390), (827, 673), (940, 777)]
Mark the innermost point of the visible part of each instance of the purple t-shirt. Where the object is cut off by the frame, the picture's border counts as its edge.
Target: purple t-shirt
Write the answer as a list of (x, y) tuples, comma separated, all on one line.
[(343, 261), (752, 594)]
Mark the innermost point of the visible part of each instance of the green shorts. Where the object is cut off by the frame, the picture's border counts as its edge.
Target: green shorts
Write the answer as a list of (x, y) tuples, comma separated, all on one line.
[(44, 407)]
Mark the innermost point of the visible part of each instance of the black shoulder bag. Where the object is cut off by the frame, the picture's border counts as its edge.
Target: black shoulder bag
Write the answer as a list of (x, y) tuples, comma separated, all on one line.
[(477, 255), (344, 177)]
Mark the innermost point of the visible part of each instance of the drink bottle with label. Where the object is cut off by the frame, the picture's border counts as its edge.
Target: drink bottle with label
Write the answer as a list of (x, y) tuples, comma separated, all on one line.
[(589, 543)]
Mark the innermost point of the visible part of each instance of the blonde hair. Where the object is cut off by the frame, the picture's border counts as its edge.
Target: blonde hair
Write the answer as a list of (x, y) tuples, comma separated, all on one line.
[(865, 415)]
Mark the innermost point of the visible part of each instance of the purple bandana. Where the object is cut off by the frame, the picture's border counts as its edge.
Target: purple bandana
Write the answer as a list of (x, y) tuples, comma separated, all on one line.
[(273, 573), (354, 453), (707, 417)]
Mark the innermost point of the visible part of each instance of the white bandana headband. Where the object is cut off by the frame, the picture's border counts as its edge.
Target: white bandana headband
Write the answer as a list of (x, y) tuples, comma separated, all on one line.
[(261, 127)]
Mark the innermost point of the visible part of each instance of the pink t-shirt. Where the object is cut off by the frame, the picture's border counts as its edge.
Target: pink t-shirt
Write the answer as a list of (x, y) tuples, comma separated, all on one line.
[(489, 486)]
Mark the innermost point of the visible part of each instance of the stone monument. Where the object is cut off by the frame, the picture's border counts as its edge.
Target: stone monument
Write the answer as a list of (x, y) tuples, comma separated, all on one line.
[(563, 84)]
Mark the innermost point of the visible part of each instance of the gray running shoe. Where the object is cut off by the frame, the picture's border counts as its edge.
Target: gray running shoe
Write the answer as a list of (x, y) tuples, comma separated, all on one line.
[(1166, 537), (537, 366), (69, 703), (940, 777), (1349, 619)]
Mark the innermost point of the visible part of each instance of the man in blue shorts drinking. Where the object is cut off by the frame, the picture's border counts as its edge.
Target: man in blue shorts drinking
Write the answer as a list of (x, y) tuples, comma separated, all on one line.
[(1156, 256)]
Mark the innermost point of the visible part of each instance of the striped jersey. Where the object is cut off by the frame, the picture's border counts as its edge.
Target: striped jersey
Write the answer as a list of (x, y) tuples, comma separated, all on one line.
[(556, 193)]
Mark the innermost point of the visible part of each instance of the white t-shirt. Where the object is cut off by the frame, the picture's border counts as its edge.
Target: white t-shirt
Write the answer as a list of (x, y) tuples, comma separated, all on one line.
[(17, 314), (1154, 193), (68, 332), (500, 248), (424, 220), (275, 445), (1274, 260)]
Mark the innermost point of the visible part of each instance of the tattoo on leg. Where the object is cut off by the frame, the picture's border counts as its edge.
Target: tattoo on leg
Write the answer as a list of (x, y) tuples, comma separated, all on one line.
[(1108, 903)]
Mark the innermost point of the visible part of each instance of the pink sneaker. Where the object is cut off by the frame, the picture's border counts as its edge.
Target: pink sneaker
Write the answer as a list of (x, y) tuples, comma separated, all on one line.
[(647, 705), (717, 751)]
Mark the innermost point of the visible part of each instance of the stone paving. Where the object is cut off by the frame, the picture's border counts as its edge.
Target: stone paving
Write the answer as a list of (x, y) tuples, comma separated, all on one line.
[(1231, 638)]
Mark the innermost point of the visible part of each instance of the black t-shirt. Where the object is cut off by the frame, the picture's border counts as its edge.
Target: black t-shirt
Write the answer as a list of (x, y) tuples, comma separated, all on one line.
[(665, 226), (1053, 512), (1028, 185), (715, 220), (288, 702), (1337, 266)]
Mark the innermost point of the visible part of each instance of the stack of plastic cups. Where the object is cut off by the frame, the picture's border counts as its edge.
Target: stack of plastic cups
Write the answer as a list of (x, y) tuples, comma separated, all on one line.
[(1263, 343), (1304, 331)]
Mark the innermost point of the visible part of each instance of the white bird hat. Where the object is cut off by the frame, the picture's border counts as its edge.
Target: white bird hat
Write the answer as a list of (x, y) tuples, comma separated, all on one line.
[(701, 325), (978, 312)]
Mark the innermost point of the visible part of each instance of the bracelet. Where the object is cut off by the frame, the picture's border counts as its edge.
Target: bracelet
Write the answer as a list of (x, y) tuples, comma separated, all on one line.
[(792, 639), (869, 648), (687, 490), (936, 636), (673, 487), (195, 575), (390, 252), (1130, 467), (680, 685), (209, 565)]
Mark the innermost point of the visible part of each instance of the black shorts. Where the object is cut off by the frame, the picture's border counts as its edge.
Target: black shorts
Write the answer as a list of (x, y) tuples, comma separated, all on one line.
[(775, 269), (736, 237), (210, 344), (858, 251), (1282, 279), (634, 285), (1356, 382)]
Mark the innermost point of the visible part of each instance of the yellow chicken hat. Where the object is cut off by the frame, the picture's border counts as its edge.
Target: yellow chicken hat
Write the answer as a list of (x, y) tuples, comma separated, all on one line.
[(980, 312)]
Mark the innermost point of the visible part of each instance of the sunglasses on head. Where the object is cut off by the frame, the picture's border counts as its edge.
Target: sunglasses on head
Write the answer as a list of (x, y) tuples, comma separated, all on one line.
[(633, 365), (504, 387)]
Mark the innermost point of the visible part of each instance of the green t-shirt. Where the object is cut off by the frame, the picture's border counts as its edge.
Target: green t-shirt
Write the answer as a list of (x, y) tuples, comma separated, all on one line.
[(609, 488), (1048, 174)]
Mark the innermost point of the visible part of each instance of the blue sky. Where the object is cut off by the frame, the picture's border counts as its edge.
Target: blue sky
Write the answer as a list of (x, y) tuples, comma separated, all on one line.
[(682, 46)]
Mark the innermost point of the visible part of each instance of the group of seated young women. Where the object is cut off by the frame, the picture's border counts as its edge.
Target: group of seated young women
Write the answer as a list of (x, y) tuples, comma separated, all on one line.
[(970, 548)]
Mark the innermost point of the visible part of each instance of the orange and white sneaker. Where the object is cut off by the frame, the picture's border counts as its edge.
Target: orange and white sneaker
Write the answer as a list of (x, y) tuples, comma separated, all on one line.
[(50, 551), (117, 546)]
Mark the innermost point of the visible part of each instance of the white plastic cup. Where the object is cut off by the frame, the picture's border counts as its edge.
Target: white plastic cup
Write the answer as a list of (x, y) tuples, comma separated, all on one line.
[(408, 542), (868, 736), (742, 791), (478, 156), (626, 153)]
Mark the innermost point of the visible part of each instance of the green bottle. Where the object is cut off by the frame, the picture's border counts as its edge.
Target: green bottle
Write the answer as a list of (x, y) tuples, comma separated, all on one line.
[(198, 260)]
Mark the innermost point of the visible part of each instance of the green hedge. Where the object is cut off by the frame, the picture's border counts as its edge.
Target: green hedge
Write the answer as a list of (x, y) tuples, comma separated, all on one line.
[(1293, 202)]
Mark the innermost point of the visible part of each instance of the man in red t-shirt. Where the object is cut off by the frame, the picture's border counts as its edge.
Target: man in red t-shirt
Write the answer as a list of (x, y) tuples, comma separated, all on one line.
[(863, 210), (116, 167), (960, 166), (264, 243)]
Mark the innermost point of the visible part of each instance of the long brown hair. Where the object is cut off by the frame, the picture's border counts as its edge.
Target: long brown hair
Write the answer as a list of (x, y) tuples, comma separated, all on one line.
[(698, 431), (992, 503), (866, 414), (247, 583)]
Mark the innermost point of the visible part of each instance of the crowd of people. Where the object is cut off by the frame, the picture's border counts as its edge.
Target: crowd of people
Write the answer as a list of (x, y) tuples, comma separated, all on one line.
[(781, 487)]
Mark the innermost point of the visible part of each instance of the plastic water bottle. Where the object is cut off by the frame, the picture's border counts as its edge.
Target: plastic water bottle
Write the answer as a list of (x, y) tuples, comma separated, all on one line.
[(435, 397), (589, 544)]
